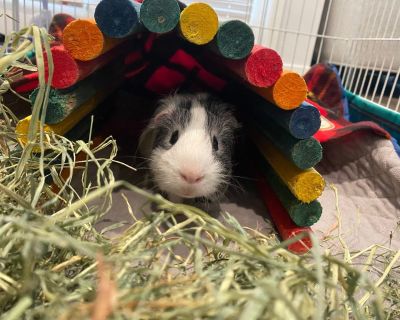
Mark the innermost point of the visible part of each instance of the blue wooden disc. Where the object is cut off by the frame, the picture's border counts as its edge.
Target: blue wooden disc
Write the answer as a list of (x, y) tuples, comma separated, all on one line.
[(117, 18)]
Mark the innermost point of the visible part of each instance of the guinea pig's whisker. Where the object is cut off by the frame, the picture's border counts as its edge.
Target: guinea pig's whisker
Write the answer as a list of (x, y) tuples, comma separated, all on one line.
[(235, 187), (143, 168), (134, 158), (244, 178), (233, 183), (144, 158), (238, 184)]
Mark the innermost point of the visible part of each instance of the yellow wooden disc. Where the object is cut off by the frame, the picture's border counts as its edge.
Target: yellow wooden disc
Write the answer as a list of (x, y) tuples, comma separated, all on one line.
[(308, 185), (198, 23), (22, 129)]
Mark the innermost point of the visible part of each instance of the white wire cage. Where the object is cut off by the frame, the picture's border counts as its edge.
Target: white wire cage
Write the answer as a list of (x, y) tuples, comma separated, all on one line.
[(360, 37)]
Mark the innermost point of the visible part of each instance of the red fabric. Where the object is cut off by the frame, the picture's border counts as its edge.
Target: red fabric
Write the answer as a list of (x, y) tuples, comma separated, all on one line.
[(286, 227), (325, 84), (333, 127), (150, 41), (164, 80), (133, 57), (327, 94), (27, 83), (186, 60), (136, 71), (213, 81)]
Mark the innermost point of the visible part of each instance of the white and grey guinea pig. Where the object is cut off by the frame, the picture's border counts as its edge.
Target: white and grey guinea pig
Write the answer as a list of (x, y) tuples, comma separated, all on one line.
[(189, 143)]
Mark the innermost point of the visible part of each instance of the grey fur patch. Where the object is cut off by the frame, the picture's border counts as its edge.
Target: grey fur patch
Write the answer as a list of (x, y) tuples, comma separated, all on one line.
[(177, 119), (185, 102), (222, 124)]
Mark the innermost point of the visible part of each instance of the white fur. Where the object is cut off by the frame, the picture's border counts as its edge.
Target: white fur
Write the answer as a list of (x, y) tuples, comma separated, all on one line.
[(191, 153)]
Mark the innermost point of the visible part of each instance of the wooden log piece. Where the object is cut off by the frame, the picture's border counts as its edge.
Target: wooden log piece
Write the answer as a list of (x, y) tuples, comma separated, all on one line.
[(160, 16), (306, 185), (288, 92), (68, 123), (198, 23), (302, 122), (84, 40), (302, 214), (303, 153), (67, 71), (234, 40), (284, 224), (63, 102), (262, 68), (118, 18)]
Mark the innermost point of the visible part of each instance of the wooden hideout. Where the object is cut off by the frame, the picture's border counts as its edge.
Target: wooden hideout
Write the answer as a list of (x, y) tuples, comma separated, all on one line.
[(279, 121)]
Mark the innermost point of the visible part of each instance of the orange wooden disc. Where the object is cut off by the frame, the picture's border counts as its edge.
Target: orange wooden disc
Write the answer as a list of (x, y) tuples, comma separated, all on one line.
[(84, 40)]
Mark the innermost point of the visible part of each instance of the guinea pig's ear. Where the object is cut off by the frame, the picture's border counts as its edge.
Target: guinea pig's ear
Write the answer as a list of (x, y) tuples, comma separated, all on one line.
[(233, 122), (147, 138), (164, 110), (236, 124), (157, 118)]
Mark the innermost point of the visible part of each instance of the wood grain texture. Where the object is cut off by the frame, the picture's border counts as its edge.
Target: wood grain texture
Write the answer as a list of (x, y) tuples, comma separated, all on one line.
[(84, 40), (198, 23), (289, 91), (306, 185)]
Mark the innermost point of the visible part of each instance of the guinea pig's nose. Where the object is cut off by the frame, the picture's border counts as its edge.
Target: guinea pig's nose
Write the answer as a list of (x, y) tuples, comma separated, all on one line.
[(191, 176)]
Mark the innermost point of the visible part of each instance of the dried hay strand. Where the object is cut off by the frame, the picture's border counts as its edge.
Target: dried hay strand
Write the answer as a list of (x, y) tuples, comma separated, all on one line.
[(54, 264)]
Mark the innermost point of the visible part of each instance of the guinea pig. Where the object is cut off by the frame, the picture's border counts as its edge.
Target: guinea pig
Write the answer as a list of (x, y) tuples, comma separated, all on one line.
[(189, 143)]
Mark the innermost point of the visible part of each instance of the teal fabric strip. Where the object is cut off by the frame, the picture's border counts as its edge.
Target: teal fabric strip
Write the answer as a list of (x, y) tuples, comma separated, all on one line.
[(361, 109)]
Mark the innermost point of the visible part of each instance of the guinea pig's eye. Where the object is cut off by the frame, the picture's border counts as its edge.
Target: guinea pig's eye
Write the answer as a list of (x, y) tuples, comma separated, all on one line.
[(174, 137), (215, 143)]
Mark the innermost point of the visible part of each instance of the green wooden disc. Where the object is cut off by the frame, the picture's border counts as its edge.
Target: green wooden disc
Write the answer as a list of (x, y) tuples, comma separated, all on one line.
[(304, 153), (160, 16), (234, 40)]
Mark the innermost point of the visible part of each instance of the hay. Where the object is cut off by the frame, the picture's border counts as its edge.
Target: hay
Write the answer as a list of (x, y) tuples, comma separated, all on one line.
[(55, 265)]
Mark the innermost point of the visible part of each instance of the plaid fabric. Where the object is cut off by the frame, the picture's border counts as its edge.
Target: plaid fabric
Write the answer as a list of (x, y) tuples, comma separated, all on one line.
[(327, 94), (334, 128), (325, 86), (57, 26), (166, 64)]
